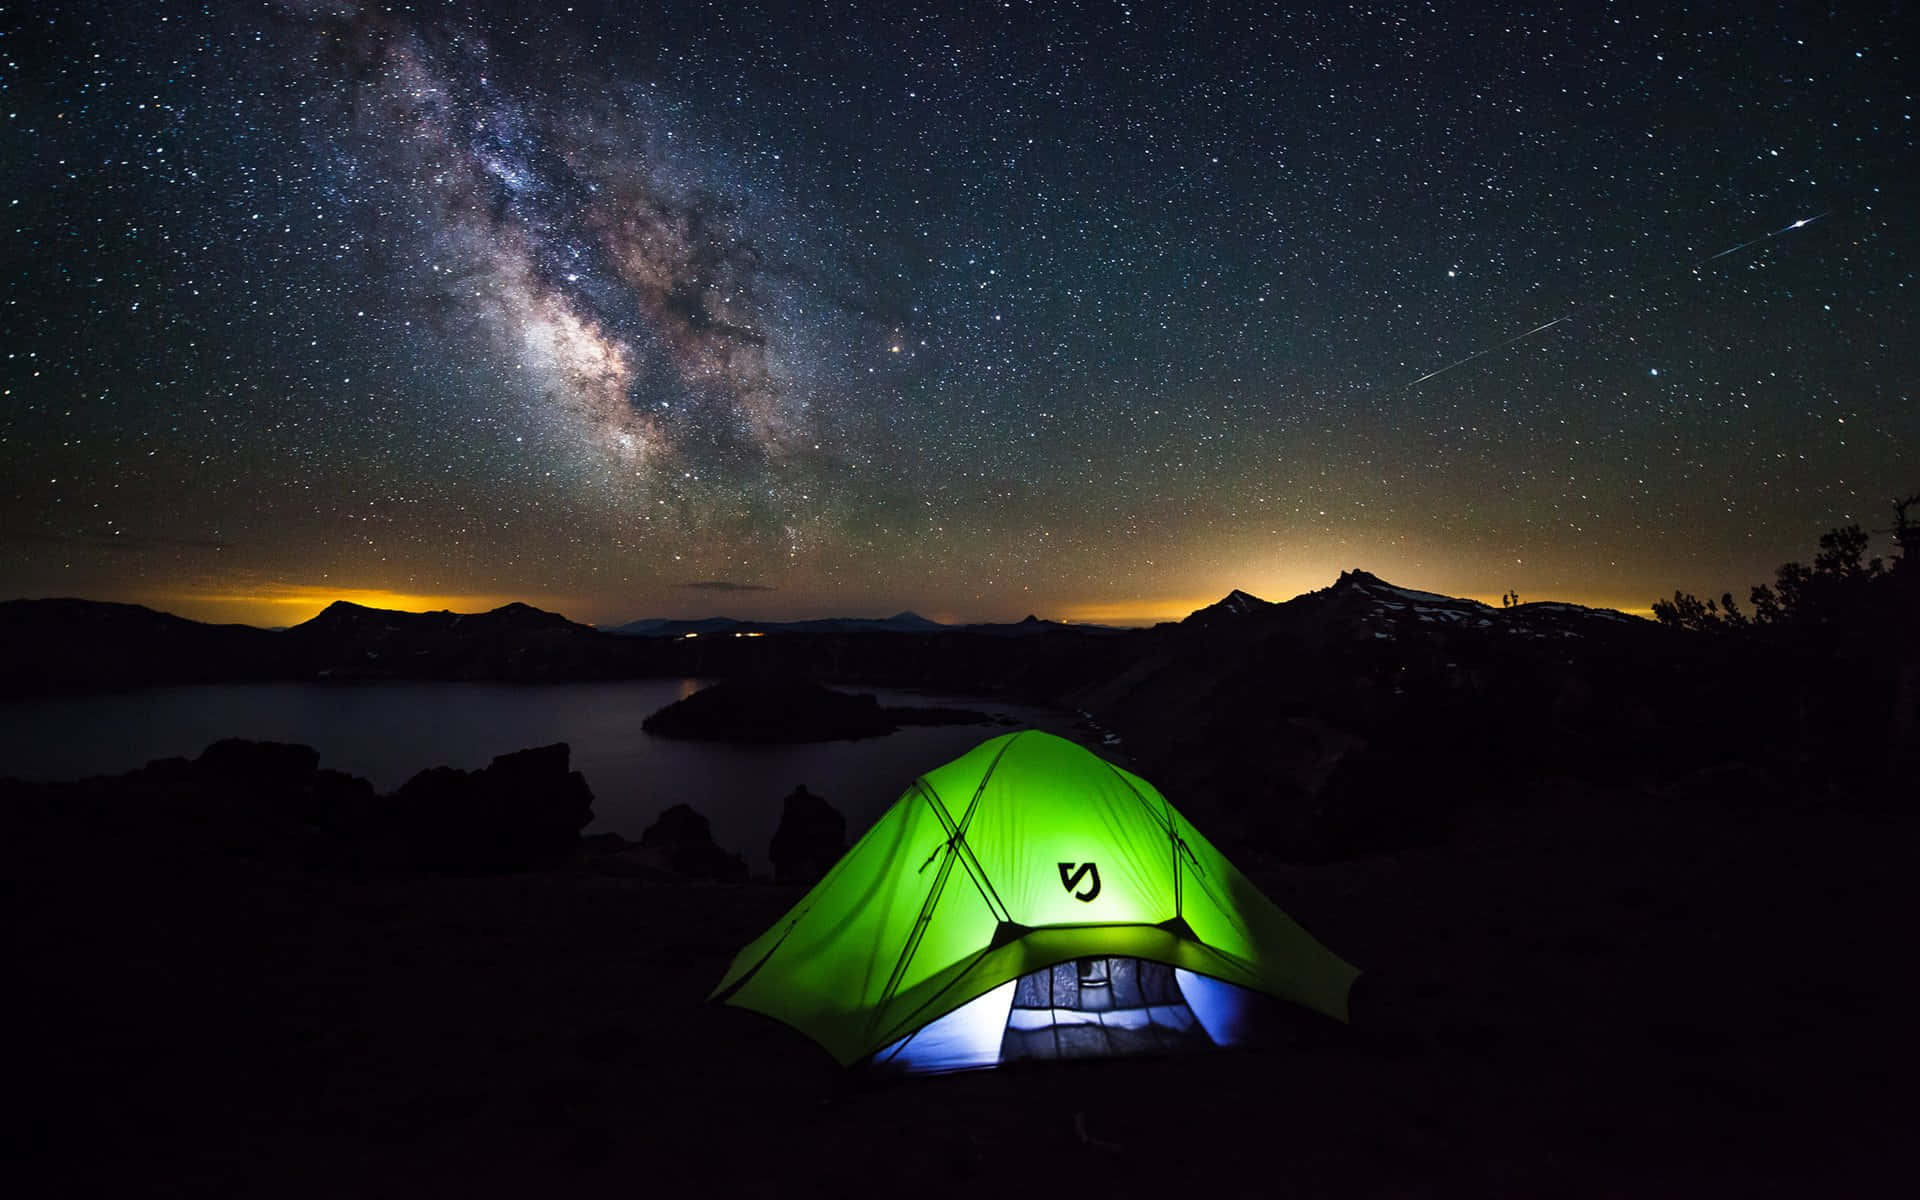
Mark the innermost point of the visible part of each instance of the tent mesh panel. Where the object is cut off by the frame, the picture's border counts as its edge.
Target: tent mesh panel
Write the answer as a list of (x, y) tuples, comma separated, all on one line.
[(1098, 1008)]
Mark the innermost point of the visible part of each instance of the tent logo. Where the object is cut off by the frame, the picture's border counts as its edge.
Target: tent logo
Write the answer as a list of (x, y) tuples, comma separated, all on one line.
[(1070, 879)]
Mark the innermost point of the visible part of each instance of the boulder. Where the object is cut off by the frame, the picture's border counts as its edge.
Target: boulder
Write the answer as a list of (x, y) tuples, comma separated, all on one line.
[(524, 809), (353, 826), (270, 803), (343, 804), (681, 840), (250, 799), (264, 766), (811, 838)]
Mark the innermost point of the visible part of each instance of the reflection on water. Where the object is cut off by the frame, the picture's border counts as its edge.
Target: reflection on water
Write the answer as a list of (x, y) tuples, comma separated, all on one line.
[(387, 731)]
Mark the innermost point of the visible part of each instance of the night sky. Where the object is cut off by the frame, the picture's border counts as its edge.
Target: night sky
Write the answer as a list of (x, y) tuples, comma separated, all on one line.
[(1089, 310)]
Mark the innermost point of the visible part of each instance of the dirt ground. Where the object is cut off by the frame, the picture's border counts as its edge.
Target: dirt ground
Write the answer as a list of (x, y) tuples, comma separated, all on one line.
[(1595, 993)]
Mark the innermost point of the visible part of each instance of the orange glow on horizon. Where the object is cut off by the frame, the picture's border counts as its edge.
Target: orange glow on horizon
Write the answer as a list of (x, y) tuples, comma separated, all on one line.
[(1144, 611), (1619, 606), (277, 605), (289, 604), (1149, 611)]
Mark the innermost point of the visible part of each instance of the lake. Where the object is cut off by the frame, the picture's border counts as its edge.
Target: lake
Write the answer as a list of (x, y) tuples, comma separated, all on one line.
[(385, 732)]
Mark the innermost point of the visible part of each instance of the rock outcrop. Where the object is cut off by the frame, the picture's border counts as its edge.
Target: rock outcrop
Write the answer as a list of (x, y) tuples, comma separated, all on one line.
[(272, 803), (681, 841), (811, 838), (523, 810)]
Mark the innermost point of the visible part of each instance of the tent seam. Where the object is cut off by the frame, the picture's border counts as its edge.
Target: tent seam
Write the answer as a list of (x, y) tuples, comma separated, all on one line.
[(939, 884)]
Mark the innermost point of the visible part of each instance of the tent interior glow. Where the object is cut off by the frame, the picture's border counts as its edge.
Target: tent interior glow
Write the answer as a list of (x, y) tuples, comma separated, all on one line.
[(1031, 900)]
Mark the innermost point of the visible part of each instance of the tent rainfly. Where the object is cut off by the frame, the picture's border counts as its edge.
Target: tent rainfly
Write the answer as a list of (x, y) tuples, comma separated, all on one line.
[(1030, 900)]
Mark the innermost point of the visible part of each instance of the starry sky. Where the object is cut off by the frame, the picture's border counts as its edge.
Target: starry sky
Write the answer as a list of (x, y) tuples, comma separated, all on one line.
[(1090, 310)]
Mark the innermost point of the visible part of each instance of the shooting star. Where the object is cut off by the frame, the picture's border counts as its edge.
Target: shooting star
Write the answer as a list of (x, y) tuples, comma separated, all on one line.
[(1489, 350), (1802, 223)]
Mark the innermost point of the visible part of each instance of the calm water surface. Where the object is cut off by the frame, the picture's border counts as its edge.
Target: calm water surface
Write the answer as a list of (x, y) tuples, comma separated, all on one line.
[(384, 732)]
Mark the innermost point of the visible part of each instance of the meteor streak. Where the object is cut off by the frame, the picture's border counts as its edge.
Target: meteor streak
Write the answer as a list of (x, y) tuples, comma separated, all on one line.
[(1489, 350), (1801, 223)]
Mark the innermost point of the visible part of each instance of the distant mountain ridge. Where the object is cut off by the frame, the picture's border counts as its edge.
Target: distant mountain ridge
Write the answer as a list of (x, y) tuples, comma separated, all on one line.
[(53, 645), (345, 616), (1234, 606), (1373, 606), (64, 644), (902, 622)]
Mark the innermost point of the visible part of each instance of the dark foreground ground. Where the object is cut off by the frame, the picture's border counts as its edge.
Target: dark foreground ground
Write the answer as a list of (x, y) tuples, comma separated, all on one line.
[(1594, 994)]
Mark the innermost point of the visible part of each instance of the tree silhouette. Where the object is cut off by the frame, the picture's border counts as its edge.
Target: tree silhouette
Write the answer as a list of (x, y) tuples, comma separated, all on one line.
[(1906, 533), (1840, 551), (1839, 586), (1835, 648), (1903, 722), (1684, 611)]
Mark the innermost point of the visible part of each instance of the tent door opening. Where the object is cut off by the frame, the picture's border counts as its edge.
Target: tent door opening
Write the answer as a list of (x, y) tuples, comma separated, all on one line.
[(1084, 1008), (1099, 1008)]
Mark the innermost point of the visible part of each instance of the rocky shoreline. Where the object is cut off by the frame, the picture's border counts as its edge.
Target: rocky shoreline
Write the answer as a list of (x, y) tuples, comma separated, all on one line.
[(1593, 990)]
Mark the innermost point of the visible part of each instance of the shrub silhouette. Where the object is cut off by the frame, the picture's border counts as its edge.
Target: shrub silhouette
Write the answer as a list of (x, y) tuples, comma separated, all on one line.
[(1842, 585), (1832, 653)]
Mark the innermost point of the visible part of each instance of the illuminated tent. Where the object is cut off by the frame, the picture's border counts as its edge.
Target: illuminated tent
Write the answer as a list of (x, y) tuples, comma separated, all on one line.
[(1030, 900)]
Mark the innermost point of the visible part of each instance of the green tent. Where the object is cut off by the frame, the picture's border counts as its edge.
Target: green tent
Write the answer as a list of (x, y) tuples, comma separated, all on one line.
[(1029, 899)]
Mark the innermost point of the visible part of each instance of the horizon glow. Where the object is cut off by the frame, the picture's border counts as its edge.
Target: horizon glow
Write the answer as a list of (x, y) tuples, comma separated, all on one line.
[(635, 310)]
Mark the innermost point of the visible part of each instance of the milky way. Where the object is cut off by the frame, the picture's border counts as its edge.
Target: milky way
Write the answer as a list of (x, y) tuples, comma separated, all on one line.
[(621, 284), (1081, 309)]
